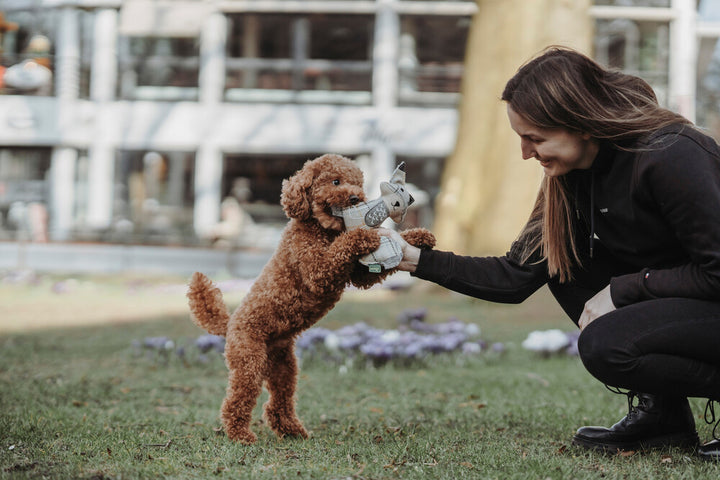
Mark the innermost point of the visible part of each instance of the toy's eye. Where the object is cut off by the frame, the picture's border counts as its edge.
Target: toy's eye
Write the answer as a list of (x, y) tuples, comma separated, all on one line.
[(336, 182)]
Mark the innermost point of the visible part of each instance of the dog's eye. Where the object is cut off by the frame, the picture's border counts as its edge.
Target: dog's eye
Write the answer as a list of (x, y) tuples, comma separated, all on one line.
[(336, 182)]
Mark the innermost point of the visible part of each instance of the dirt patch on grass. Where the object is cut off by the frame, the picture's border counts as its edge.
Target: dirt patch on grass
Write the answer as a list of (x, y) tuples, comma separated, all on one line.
[(51, 302)]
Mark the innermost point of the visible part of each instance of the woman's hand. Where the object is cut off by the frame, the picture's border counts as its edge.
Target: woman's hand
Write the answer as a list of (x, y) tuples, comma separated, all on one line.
[(411, 255), (596, 307)]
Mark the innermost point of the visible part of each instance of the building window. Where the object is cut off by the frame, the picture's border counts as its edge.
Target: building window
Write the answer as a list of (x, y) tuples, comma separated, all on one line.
[(154, 196), (266, 173), (636, 48), (27, 49), (431, 56), (323, 58), (87, 46), (23, 192), (708, 88), (158, 68), (28, 52), (250, 213)]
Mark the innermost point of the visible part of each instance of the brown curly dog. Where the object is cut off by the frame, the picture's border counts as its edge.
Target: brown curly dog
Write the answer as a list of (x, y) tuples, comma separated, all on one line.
[(314, 262)]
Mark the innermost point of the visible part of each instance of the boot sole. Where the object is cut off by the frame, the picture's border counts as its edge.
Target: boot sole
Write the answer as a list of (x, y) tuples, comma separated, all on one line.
[(680, 440), (714, 458), (709, 453)]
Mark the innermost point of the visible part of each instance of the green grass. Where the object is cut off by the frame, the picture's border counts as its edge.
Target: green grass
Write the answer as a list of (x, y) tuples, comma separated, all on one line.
[(76, 402)]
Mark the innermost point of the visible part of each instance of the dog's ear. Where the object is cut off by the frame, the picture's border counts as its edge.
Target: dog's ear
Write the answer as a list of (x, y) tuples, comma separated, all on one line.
[(295, 197)]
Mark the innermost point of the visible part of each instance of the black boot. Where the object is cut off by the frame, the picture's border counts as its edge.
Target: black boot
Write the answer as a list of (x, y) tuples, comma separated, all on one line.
[(656, 421), (711, 450)]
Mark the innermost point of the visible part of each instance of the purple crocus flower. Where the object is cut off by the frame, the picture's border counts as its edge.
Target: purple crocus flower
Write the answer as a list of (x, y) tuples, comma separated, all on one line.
[(158, 343), (208, 342), (572, 348), (410, 314)]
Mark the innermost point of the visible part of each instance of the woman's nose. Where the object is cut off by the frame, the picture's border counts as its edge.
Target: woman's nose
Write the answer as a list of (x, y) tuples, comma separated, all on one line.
[(528, 150)]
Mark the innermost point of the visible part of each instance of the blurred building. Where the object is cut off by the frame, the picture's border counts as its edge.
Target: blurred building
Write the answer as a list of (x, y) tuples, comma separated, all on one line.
[(157, 108), (174, 121)]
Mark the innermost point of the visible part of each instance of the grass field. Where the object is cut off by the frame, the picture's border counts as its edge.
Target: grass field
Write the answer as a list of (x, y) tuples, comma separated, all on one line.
[(77, 401)]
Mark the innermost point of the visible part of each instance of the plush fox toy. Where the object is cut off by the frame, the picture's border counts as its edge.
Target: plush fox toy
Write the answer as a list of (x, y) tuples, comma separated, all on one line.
[(393, 203)]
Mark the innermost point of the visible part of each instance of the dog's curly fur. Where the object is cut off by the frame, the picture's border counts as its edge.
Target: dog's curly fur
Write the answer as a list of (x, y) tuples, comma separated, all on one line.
[(304, 279)]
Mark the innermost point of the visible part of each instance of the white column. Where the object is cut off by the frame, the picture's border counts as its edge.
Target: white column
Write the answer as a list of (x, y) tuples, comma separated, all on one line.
[(62, 192), (103, 76), (101, 191), (208, 160), (101, 154), (67, 91), (208, 181), (212, 58), (683, 55), (67, 56), (385, 55), (386, 49), (383, 163)]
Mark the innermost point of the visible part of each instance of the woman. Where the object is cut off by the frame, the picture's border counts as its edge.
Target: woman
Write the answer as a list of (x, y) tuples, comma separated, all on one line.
[(625, 232)]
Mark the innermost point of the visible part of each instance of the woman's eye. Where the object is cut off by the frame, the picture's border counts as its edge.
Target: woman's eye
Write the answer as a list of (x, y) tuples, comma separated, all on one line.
[(336, 182)]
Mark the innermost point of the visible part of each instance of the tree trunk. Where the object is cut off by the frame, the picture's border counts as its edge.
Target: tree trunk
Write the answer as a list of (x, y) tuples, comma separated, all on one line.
[(487, 191)]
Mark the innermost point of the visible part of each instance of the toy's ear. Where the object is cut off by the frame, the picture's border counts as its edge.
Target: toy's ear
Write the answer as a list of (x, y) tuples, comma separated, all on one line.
[(295, 197), (398, 175)]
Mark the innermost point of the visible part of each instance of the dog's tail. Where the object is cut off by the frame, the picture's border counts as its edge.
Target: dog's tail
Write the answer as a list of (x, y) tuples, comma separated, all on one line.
[(207, 306)]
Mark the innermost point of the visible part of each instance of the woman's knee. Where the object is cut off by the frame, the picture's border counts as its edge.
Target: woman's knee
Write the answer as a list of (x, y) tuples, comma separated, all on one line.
[(589, 348), (598, 351)]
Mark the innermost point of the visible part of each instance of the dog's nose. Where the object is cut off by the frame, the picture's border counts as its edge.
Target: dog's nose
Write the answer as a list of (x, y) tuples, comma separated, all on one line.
[(411, 200), (354, 199)]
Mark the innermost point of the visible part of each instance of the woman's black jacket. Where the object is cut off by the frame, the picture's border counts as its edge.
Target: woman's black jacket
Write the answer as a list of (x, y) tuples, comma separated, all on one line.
[(650, 216)]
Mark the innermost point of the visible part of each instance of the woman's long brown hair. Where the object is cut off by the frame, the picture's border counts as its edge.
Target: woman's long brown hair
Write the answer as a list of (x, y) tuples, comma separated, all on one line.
[(563, 88)]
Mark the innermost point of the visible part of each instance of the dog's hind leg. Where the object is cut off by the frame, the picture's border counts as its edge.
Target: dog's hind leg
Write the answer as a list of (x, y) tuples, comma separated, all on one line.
[(282, 373), (246, 361)]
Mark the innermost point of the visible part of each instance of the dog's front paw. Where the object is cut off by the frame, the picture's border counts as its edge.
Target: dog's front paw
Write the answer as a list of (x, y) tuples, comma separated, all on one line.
[(363, 240), (419, 237)]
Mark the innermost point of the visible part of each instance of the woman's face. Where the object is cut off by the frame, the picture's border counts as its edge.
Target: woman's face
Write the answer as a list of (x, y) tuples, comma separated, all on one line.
[(558, 150)]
